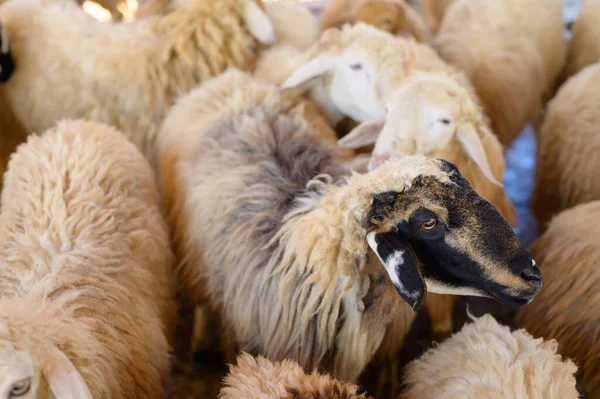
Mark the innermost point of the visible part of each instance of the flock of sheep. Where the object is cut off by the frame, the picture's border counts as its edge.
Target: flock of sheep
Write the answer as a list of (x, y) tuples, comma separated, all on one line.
[(305, 188)]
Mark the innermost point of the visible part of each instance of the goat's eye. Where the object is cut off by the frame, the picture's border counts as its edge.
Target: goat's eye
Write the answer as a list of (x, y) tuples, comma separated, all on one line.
[(20, 388), (356, 67), (429, 225)]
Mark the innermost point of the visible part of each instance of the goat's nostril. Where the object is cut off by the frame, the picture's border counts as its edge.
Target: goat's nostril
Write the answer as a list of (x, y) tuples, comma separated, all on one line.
[(532, 274)]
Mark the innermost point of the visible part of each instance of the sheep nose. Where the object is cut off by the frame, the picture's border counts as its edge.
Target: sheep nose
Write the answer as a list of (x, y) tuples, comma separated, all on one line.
[(532, 274)]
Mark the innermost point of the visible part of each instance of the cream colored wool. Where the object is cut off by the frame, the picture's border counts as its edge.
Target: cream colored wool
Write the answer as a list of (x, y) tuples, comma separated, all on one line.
[(567, 149), (513, 51), (85, 265), (568, 307), (123, 74), (584, 47), (485, 360), (259, 378)]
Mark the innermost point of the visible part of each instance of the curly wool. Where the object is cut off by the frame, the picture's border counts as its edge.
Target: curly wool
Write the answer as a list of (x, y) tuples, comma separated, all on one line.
[(487, 360), (259, 378), (86, 263)]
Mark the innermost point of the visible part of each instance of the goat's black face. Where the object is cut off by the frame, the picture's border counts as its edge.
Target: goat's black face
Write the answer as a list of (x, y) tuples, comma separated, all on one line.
[(444, 236)]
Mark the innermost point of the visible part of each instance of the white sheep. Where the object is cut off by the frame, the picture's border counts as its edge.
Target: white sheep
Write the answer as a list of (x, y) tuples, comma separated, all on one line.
[(584, 46), (274, 230), (512, 58), (353, 71), (485, 360), (567, 147), (123, 74), (432, 115), (87, 292), (568, 307)]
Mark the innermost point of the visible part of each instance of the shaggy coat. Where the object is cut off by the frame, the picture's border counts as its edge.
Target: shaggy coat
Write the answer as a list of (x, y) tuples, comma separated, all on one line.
[(259, 378), (568, 307), (584, 46), (512, 60), (271, 228), (485, 360), (270, 305), (567, 149), (85, 264), (434, 11), (122, 74)]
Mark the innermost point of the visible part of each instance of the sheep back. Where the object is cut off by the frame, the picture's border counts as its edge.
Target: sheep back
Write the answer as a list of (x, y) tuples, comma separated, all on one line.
[(86, 263)]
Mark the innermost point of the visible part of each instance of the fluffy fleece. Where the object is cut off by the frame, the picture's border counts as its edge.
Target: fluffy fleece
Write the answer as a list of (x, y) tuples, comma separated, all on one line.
[(434, 11), (485, 360), (86, 265), (568, 307), (567, 148), (122, 74), (512, 59), (261, 379)]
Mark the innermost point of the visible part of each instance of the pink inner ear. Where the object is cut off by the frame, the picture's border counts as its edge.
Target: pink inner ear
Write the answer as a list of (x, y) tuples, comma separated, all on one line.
[(377, 160)]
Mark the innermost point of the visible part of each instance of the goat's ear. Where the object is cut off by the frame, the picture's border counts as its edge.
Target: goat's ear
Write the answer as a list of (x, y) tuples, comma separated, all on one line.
[(258, 23), (364, 134), (470, 141), (400, 261), (314, 68), (63, 378)]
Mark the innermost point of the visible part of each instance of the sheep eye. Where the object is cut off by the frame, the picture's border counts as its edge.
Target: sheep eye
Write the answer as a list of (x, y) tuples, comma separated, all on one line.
[(356, 67), (446, 121), (20, 388), (429, 225)]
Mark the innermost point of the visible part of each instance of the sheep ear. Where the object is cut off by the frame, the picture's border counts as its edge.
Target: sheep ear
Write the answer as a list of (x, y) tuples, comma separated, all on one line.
[(470, 141), (63, 378), (400, 261), (364, 134), (311, 70), (258, 23)]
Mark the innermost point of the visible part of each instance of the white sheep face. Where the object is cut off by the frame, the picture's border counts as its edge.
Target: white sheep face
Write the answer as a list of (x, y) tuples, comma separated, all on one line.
[(353, 88), (18, 379)]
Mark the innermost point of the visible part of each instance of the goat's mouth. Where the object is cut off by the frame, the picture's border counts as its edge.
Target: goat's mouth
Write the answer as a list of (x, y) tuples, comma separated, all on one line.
[(521, 299)]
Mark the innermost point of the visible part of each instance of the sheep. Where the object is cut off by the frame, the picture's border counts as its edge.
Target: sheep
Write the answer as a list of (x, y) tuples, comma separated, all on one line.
[(123, 74), (393, 16), (568, 308), (512, 60), (584, 47), (352, 72), (432, 115), (487, 360), (274, 230), (434, 11), (566, 149), (87, 289), (260, 378)]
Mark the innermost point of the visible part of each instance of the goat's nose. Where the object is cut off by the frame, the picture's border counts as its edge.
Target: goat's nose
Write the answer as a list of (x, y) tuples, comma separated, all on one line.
[(532, 274)]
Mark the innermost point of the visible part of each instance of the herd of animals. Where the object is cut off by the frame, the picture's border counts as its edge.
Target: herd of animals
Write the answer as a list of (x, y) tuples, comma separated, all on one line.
[(302, 186)]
